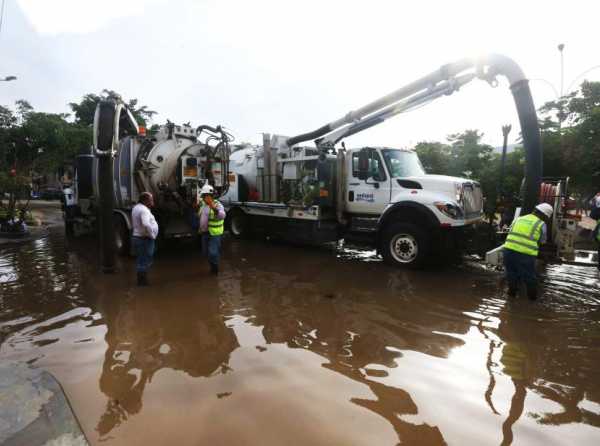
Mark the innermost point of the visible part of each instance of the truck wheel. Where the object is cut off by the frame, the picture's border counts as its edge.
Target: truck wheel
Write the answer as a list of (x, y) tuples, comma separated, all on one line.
[(122, 236), (239, 224), (404, 244)]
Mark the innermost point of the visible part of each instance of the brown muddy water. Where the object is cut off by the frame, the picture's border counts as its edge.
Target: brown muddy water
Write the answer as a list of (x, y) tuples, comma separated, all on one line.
[(304, 346)]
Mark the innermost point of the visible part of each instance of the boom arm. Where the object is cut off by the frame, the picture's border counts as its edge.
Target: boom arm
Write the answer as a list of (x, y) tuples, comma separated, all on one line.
[(445, 81)]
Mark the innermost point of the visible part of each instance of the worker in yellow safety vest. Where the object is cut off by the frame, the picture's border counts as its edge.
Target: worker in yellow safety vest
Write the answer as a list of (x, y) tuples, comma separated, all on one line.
[(212, 221), (521, 249)]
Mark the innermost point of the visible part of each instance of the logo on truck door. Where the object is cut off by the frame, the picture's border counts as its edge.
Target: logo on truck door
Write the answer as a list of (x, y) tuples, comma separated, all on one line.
[(365, 197)]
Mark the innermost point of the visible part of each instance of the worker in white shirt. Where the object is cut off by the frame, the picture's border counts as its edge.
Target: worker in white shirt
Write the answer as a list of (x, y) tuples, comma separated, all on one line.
[(145, 230)]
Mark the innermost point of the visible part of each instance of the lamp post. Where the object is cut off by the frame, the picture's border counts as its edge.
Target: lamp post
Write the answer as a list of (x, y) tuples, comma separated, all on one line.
[(9, 78), (561, 47)]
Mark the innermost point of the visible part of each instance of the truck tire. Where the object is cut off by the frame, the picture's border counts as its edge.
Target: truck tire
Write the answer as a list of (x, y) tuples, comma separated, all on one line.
[(239, 224), (405, 245), (122, 236)]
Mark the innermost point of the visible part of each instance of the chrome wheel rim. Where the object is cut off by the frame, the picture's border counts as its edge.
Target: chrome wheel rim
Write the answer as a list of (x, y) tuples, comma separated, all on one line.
[(404, 248)]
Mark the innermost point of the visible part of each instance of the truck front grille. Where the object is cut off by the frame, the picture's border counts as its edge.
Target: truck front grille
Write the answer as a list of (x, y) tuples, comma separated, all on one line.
[(472, 200)]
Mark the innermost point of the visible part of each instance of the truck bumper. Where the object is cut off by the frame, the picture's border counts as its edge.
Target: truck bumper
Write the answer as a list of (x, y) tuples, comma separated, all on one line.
[(455, 238)]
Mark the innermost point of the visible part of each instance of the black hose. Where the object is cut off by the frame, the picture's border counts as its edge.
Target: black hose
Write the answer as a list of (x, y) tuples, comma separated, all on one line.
[(310, 135), (531, 140)]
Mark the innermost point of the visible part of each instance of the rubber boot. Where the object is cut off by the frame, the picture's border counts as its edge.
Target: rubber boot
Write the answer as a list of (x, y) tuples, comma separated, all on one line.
[(532, 292), (214, 269), (142, 278)]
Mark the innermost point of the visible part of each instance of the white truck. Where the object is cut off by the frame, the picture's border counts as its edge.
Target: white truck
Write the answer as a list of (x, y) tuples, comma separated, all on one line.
[(378, 195)]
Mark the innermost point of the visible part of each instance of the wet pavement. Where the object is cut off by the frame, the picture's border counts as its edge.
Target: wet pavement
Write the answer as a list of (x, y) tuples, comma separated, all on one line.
[(296, 346)]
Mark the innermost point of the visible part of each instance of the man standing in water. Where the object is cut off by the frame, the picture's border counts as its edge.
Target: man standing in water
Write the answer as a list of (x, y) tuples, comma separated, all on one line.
[(145, 230), (212, 219), (521, 249)]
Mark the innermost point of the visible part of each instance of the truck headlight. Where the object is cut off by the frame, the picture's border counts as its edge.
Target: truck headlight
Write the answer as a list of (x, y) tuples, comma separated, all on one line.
[(459, 192), (449, 209)]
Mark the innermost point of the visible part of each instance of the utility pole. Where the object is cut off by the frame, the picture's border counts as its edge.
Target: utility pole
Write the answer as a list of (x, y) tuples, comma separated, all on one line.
[(561, 47), (505, 131)]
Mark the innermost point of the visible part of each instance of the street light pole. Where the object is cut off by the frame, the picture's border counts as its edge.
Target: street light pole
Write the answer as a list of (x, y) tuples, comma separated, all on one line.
[(561, 47)]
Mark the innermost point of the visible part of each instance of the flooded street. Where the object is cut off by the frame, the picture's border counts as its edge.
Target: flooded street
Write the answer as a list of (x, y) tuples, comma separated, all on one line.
[(304, 346)]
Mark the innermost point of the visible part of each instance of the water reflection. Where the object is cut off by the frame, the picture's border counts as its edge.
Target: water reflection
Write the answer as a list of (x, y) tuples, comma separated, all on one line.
[(147, 333), (300, 346), (38, 281), (360, 326)]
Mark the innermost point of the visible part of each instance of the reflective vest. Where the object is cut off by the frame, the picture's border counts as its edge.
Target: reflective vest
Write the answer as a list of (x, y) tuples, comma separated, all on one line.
[(215, 226), (525, 234)]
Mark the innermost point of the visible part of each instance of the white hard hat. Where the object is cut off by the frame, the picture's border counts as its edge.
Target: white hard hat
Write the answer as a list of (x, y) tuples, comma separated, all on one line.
[(545, 209), (207, 189)]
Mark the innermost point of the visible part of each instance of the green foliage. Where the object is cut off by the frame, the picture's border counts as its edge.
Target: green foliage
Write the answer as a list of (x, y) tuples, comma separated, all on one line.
[(34, 144), (466, 156), (570, 134), (571, 138), (434, 156), (85, 109)]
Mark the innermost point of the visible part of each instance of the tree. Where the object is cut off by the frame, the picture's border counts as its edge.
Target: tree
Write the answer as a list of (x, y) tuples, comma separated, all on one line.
[(33, 145), (468, 155), (434, 156), (85, 109), (571, 138)]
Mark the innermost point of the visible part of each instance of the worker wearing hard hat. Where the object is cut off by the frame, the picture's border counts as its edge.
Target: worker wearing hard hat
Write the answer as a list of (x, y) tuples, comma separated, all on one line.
[(212, 219), (521, 249)]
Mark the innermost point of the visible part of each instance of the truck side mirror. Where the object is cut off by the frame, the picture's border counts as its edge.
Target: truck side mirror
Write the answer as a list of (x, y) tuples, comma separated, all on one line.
[(363, 164)]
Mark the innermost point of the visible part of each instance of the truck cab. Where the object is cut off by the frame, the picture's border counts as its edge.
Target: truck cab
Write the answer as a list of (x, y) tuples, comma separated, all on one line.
[(389, 194), (389, 175)]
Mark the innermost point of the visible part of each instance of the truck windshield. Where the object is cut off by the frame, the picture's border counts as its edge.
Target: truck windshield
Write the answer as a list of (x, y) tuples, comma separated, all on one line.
[(402, 163)]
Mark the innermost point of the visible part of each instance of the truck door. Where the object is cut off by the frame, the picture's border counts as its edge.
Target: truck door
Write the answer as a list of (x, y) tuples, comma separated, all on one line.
[(371, 195)]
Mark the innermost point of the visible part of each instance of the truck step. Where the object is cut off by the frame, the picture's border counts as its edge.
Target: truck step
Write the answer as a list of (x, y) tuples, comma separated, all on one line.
[(363, 224)]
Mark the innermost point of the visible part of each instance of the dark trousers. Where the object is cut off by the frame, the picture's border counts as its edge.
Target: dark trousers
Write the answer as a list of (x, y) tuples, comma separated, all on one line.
[(519, 268), (211, 248), (144, 253)]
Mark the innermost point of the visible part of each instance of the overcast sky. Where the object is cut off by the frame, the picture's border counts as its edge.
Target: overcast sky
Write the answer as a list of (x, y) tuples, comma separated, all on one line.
[(288, 67)]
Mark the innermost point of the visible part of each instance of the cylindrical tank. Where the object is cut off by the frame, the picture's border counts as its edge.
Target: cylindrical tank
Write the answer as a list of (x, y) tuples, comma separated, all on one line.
[(162, 162), (244, 163)]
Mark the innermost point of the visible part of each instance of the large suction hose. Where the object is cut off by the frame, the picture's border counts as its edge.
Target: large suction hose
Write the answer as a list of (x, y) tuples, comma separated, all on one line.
[(485, 68)]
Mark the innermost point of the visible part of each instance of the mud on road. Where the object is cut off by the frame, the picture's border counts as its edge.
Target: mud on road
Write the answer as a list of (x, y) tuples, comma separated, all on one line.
[(293, 345)]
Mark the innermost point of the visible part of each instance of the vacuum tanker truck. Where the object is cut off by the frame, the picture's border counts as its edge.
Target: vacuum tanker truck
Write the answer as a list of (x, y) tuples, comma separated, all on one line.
[(378, 195), (173, 164), (375, 195), (315, 194)]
